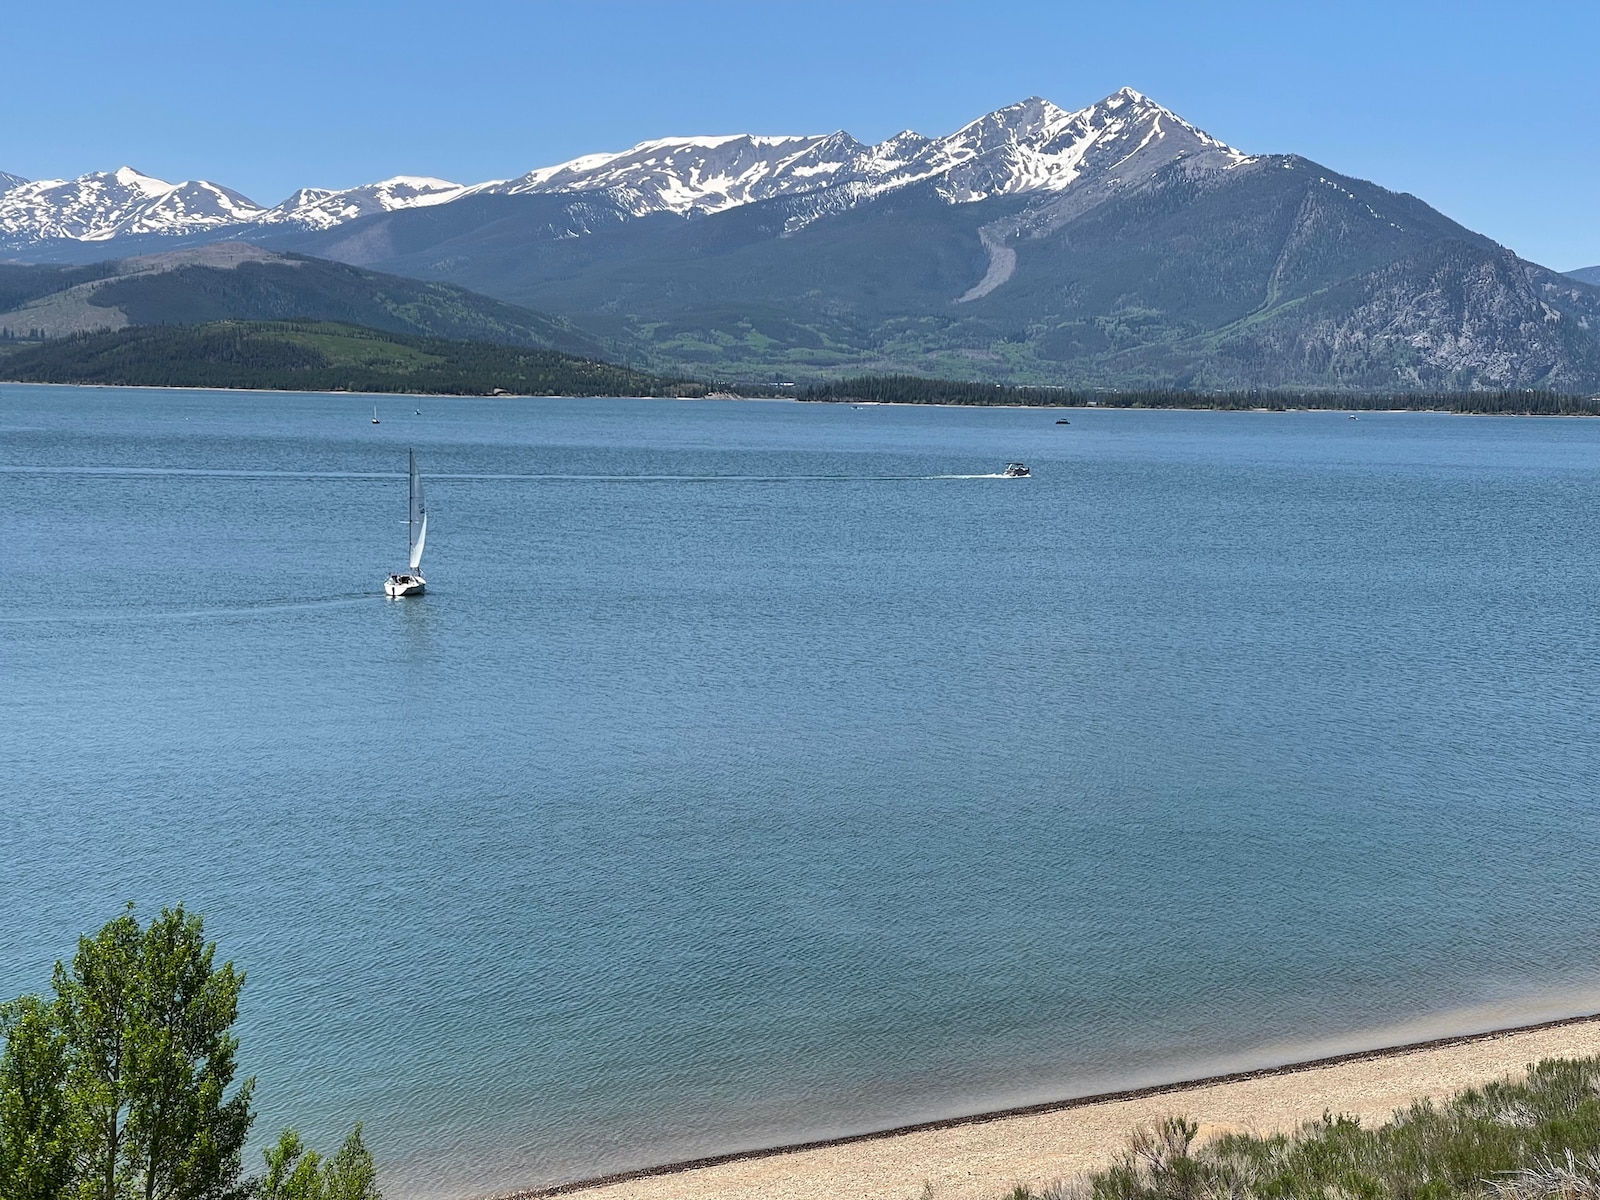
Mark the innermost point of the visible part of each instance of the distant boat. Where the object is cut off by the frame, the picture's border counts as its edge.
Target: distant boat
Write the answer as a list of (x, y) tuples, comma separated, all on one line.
[(412, 583), (1353, 417), (374, 414), (1063, 421), (1017, 471)]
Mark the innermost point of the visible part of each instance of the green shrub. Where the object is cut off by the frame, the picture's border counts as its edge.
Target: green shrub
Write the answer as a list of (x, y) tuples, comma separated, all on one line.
[(1533, 1139)]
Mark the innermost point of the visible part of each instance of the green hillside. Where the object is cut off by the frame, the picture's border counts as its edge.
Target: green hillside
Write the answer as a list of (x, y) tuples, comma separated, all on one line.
[(237, 282), (321, 356)]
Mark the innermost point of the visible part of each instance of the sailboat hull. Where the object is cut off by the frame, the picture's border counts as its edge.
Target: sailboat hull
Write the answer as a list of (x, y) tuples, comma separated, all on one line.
[(397, 586)]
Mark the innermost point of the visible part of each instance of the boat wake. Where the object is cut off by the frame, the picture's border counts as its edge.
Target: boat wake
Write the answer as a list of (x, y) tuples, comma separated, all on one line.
[(569, 478), (507, 477), (266, 608)]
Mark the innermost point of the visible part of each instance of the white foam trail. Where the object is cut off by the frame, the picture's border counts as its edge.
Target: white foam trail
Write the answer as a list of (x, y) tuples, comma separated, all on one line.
[(234, 473), (266, 608)]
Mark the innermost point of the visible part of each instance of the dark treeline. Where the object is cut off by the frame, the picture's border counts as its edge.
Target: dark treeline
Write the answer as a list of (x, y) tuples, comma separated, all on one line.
[(323, 356), (914, 389)]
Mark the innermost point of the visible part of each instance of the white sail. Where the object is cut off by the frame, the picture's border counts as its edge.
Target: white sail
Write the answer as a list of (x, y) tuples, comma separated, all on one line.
[(418, 517), (416, 545)]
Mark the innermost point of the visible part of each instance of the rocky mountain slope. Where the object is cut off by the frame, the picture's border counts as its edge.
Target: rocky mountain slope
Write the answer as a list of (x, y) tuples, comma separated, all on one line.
[(1586, 275), (1178, 266), (235, 281)]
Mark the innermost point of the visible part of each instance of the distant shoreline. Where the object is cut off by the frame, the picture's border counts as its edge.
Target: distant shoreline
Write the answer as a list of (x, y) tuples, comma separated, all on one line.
[(794, 399), (1541, 1039)]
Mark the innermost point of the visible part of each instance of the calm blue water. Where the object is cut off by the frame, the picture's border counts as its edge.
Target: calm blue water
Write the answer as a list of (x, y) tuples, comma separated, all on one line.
[(737, 782)]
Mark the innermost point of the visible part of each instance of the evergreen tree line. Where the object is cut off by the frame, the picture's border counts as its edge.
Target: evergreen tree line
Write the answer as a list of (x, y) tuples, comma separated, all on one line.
[(119, 1084), (915, 389), (322, 356)]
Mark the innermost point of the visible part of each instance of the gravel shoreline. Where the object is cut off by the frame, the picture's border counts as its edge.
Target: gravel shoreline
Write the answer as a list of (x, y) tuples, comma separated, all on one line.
[(981, 1156)]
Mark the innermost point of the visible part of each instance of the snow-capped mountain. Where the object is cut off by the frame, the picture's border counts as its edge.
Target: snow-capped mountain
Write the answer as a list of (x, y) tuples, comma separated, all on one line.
[(1036, 147), (9, 181), (105, 205), (1033, 146), (319, 208)]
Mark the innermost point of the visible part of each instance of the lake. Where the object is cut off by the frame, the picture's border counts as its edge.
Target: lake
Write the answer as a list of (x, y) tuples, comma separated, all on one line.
[(759, 771)]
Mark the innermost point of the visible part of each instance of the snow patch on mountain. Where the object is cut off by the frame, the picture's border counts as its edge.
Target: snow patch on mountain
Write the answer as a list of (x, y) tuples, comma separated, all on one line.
[(9, 181), (705, 174), (322, 208), (187, 207)]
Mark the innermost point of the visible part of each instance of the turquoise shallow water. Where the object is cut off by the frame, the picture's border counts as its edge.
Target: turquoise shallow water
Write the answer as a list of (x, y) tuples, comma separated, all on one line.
[(739, 781)]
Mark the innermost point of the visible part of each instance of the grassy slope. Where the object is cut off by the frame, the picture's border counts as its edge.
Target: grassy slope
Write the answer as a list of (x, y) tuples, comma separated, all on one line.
[(321, 356)]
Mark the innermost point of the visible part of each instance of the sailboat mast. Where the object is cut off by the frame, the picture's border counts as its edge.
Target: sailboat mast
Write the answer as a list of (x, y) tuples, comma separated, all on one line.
[(411, 500)]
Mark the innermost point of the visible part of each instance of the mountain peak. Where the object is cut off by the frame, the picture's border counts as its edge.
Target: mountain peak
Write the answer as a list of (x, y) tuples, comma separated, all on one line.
[(128, 177)]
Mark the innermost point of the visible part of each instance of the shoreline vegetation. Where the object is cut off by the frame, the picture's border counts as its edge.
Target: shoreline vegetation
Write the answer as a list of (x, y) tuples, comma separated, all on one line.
[(329, 356), (1364, 1105), (914, 389)]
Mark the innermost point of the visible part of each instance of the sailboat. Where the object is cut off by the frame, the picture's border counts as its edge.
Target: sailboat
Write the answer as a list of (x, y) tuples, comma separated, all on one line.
[(412, 583), (374, 414)]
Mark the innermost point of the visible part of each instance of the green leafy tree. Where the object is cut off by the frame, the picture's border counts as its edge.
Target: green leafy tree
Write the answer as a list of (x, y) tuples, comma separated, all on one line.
[(147, 1018), (38, 1133), (185, 1134), (351, 1174), (295, 1172), (122, 1087), (98, 999)]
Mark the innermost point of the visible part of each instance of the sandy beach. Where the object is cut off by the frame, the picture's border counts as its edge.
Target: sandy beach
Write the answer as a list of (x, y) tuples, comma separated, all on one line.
[(983, 1158)]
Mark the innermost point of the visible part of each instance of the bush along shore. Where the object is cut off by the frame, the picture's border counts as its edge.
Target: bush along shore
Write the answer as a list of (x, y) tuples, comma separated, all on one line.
[(119, 1084), (913, 389), (1534, 1139)]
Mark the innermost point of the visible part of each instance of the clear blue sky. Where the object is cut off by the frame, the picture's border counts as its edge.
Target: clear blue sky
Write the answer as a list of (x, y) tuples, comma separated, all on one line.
[(1491, 112)]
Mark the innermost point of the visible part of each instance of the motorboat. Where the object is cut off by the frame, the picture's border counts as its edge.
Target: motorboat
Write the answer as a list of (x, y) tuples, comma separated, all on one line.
[(1063, 421), (411, 582), (1017, 471)]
